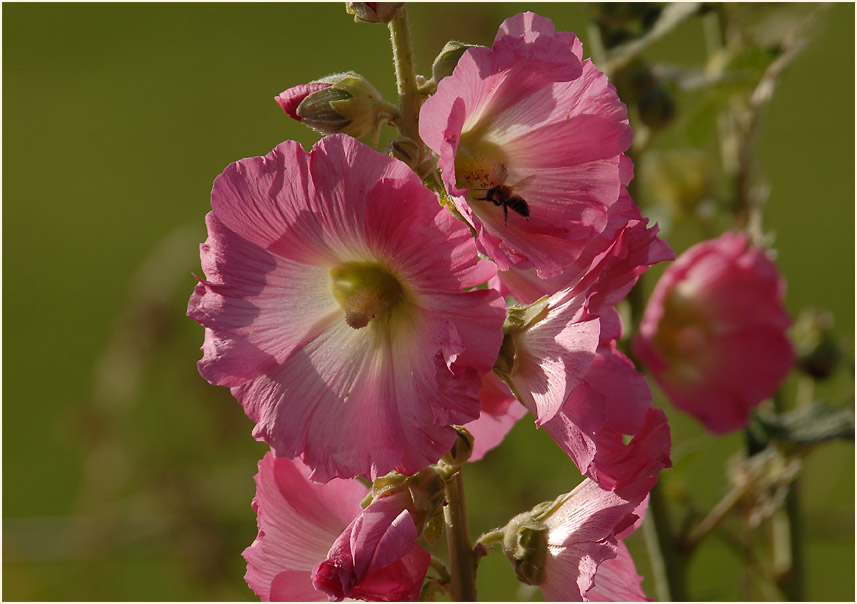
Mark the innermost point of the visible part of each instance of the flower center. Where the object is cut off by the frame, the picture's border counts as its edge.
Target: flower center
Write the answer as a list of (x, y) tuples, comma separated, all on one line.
[(479, 165), (684, 330), (366, 291)]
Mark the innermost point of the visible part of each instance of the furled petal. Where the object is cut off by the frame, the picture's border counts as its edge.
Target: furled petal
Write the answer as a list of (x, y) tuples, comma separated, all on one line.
[(298, 521), (376, 557)]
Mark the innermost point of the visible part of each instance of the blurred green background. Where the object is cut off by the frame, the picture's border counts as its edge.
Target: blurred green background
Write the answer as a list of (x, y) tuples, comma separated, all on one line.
[(125, 475)]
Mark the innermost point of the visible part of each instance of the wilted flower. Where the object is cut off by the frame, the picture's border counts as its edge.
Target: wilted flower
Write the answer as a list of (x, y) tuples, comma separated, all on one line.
[(334, 308), (714, 331), (530, 139)]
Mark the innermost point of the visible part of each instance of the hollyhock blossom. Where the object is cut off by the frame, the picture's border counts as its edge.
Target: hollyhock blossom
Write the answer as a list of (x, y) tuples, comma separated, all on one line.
[(616, 579), (298, 521), (376, 558), (714, 332), (562, 545), (302, 522), (590, 405), (334, 308), (529, 139), (610, 263)]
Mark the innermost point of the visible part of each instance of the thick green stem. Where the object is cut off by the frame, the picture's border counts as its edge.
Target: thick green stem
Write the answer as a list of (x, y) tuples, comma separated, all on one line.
[(462, 563), (406, 77)]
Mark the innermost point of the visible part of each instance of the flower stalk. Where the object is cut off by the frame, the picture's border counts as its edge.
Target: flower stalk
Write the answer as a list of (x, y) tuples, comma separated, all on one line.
[(462, 563), (406, 80)]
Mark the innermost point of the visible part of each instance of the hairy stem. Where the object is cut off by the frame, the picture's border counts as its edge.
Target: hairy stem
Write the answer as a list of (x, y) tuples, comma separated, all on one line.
[(462, 564), (406, 78)]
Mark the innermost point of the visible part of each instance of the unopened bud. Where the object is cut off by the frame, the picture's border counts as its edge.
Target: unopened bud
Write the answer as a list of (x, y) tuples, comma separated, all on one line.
[(525, 545), (447, 59), (461, 450), (342, 102), (816, 346), (406, 150), (680, 179), (656, 107), (373, 12)]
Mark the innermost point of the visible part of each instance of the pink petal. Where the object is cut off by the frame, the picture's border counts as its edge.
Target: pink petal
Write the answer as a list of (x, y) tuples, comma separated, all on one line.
[(298, 521)]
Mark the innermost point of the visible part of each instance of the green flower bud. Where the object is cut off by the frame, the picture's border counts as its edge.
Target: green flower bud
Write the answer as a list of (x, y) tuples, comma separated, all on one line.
[(656, 107), (525, 545), (816, 346), (461, 450), (680, 179), (373, 12), (342, 102), (445, 62)]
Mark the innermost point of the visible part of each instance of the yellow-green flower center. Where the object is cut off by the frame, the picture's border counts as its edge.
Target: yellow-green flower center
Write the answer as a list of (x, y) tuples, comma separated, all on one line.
[(365, 291), (479, 165), (684, 333)]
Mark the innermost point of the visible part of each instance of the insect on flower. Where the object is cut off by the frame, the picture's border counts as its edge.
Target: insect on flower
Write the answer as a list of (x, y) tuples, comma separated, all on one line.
[(504, 195)]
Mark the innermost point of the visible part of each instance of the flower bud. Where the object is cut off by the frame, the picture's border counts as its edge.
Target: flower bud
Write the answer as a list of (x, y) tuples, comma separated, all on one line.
[(342, 102), (373, 12), (445, 62), (680, 180), (656, 107), (525, 544), (461, 450), (815, 343)]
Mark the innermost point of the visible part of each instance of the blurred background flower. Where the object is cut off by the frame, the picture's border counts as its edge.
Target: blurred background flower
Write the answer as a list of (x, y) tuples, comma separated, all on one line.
[(126, 476)]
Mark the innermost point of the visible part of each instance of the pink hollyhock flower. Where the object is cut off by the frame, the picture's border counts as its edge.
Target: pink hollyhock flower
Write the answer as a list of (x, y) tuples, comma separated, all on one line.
[(562, 363), (298, 522), (609, 265), (612, 401), (616, 579), (301, 526), (530, 139), (376, 558), (714, 332), (562, 546), (334, 308)]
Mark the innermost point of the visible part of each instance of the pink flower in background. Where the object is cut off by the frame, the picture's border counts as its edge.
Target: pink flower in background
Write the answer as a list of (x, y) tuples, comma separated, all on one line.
[(298, 521), (376, 558), (714, 332), (530, 139), (334, 308)]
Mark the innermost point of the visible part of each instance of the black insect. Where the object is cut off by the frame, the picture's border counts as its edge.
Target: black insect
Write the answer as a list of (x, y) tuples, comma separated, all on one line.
[(503, 195)]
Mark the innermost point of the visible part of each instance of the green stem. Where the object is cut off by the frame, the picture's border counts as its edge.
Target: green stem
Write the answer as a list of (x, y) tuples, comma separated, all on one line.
[(406, 78), (663, 548), (462, 564)]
